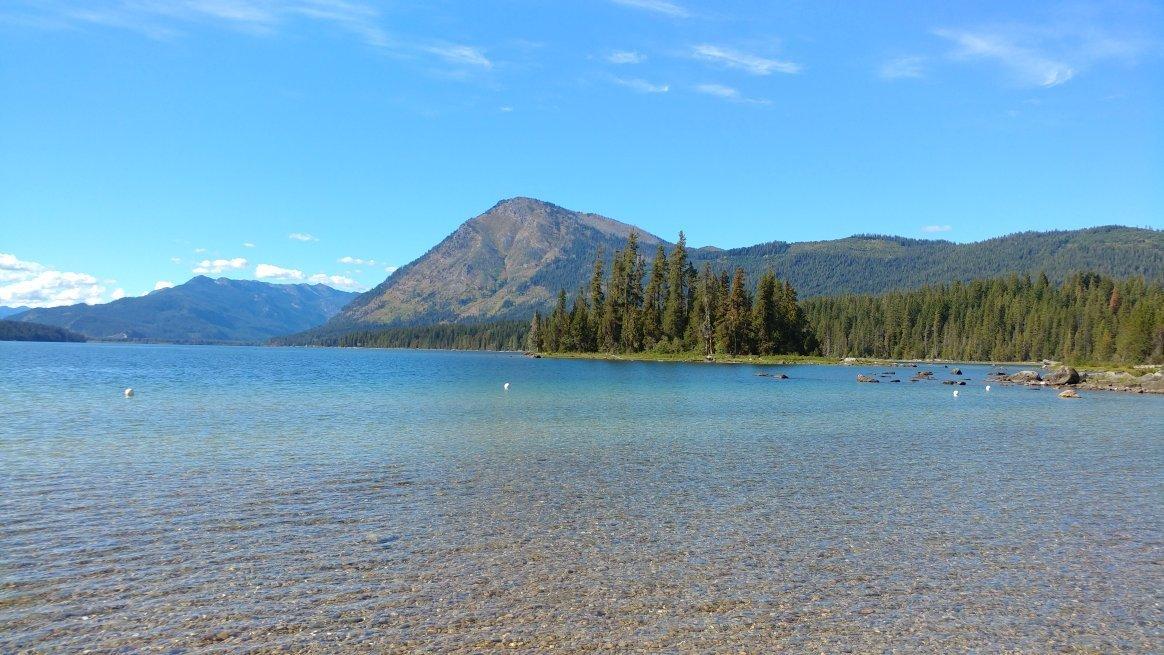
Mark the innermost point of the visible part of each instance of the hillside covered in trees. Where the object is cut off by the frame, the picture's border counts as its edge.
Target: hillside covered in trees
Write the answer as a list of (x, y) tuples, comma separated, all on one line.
[(21, 331), (1087, 318)]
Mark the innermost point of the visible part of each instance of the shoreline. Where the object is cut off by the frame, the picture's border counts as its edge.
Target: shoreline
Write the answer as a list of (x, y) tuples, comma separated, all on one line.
[(1137, 379)]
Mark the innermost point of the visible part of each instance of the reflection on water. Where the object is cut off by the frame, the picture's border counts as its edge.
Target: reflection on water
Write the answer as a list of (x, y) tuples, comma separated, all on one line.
[(259, 500)]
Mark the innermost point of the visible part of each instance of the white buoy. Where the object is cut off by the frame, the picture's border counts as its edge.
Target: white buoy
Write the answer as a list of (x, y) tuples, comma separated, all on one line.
[(129, 393), (988, 387), (505, 386), (955, 393)]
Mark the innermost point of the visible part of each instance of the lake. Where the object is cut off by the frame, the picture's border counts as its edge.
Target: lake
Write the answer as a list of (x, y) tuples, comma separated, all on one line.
[(342, 500)]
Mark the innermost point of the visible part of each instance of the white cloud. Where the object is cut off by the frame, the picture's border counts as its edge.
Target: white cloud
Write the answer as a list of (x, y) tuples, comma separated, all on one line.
[(460, 55), (936, 228), (214, 266), (199, 251), (248, 244), (162, 19), (356, 261), (25, 283), (162, 284), (902, 68), (176, 260), (337, 281), (1027, 64), (272, 272), (117, 294), (747, 62), (505, 109), (301, 236), (391, 269), (728, 93), (656, 6), (642, 86), (625, 57), (718, 90)]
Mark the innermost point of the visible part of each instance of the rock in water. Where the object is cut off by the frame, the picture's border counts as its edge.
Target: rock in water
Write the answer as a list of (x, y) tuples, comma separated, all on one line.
[(956, 371), (866, 378), (1026, 377), (1068, 393), (129, 393), (1063, 375)]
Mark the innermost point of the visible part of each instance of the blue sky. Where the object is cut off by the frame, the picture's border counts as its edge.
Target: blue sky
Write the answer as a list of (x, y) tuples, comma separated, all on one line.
[(143, 141)]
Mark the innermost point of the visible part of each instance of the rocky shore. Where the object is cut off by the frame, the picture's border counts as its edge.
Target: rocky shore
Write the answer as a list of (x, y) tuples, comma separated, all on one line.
[(1066, 378)]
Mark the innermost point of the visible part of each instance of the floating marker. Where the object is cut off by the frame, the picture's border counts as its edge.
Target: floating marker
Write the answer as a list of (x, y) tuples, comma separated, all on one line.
[(505, 386), (955, 393), (988, 387), (129, 393)]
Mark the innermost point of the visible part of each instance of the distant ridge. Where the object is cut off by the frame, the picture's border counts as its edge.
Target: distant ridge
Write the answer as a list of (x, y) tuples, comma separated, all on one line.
[(203, 310), (511, 261)]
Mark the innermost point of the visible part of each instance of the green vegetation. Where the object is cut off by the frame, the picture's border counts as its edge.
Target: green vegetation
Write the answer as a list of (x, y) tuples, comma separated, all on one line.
[(506, 335), (678, 311), (1086, 319), (21, 331), (681, 315)]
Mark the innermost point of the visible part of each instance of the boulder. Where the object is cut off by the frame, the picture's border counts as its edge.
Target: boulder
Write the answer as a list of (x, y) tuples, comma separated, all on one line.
[(1026, 377), (1068, 393), (866, 378), (1063, 375), (956, 371), (782, 376)]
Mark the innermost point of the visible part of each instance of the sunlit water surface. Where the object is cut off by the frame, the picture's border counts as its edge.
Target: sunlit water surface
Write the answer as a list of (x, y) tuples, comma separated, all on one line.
[(290, 500)]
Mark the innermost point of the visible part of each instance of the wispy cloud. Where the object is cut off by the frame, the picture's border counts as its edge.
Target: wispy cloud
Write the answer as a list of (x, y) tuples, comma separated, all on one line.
[(215, 266), (642, 86), (461, 55), (625, 57), (160, 19), (728, 93), (301, 236), (248, 244), (902, 68), (750, 63), (391, 269), (931, 229), (1028, 64), (31, 284), (656, 6), (162, 284)]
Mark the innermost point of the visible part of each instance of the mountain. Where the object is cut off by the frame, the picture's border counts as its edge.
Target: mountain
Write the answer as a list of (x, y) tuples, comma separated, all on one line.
[(5, 312), (513, 259), (202, 310), (501, 264), (21, 331)]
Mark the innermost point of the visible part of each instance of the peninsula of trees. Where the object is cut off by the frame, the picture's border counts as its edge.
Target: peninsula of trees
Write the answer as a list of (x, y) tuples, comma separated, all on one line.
[(678, 310)]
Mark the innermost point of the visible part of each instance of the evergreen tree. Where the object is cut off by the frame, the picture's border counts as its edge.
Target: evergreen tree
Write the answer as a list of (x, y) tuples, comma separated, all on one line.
[(675, 307)]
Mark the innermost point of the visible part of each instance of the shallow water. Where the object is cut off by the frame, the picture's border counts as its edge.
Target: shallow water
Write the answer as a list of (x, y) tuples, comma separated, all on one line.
[(308, 500)]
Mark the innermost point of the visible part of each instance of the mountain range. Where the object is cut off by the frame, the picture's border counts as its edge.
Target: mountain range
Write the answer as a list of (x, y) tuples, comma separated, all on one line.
[(203, 310), (512, 260)]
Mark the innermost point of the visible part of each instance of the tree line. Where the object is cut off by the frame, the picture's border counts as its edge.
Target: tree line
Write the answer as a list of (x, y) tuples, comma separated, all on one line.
[(1086, 319), (677, 310)]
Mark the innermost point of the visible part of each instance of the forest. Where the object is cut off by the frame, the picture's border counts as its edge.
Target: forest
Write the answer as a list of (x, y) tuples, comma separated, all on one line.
[(1086, 319), (666, 306), (677, 310), (21, 331)]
